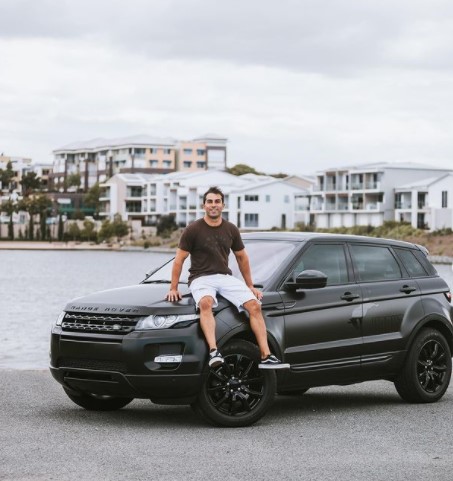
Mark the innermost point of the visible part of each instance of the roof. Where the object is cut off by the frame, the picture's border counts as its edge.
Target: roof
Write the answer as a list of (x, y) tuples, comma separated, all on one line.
[(425, 183), (305, 236), (386, 166), (103, 144)]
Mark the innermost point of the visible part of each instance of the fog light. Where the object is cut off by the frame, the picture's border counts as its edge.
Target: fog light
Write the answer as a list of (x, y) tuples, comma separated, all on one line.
[(168, 359)]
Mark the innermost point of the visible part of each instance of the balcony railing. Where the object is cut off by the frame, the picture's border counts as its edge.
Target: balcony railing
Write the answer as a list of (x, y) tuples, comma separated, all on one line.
[(403, 205)]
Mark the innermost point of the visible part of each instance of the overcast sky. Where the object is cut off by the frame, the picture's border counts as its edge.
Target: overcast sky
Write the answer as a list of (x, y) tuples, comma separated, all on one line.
[(295, 85)]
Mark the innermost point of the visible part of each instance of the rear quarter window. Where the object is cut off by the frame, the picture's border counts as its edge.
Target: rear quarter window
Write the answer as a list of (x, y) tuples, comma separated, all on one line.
[(411, 263)]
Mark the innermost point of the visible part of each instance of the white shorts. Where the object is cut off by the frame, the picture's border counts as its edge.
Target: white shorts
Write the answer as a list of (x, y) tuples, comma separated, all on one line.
[(229, 287)]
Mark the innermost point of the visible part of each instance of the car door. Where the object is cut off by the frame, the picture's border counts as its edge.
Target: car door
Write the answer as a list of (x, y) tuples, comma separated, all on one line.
[(390, 299), (322, 326)]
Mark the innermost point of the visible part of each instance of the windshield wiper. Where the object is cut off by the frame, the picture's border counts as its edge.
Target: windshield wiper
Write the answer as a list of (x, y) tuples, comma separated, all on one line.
[(157, 281)]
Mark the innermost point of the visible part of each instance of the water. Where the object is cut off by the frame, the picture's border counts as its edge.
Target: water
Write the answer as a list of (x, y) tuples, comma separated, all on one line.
[(36, 285)]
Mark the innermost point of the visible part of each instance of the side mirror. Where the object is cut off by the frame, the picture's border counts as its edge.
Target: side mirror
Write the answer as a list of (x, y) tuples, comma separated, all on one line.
[(309, 279)]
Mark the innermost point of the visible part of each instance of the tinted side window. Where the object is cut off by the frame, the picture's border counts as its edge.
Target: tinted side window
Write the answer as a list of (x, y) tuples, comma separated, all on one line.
[(410, 262), (375, 263), (425, 263), (327, 258)]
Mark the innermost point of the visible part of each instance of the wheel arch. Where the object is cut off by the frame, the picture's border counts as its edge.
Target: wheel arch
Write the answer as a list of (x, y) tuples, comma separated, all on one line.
[(434, 322), (246, 334)]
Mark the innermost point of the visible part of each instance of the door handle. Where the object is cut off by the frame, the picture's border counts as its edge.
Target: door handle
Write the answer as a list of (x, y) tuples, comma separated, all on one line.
[(349, 296), (408, 289)]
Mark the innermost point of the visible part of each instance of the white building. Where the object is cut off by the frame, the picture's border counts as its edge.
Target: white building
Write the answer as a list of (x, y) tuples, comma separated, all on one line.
[(364, 194), (252, 201), (426, 203)]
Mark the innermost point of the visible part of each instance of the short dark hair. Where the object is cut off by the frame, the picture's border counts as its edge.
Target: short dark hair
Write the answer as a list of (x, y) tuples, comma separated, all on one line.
[(213, 190)]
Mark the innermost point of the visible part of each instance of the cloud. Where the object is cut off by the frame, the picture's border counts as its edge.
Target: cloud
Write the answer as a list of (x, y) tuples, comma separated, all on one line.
[(295, 85)]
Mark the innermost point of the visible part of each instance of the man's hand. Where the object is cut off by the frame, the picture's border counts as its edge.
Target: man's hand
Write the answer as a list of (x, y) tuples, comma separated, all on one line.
[(173, 295), (257, 293)]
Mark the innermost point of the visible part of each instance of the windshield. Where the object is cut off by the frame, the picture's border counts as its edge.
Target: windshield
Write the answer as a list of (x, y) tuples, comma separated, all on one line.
[(265, 258)]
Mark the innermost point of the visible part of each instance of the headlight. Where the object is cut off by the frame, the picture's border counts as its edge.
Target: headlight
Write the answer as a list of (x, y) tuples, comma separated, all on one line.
[(60, 318), (164, 322)]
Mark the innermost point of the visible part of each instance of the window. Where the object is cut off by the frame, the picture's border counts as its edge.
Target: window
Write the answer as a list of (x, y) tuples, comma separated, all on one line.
[(375, 263), (152, 150), (167, 151), (201, 152), (251, 198), (268, 198), (139, 152), (201, 165), (251, 220), (327, 258), (187, 164), (286, 199), (153, 163), (167, 163), (187, 151), (444, 199), (411, 263)]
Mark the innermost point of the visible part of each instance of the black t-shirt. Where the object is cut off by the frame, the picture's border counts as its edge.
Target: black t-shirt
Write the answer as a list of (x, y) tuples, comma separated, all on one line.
[(210, 247)]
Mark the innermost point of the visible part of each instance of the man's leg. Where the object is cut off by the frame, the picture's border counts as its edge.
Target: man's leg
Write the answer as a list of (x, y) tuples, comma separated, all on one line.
[(258, 326), (207, 321)]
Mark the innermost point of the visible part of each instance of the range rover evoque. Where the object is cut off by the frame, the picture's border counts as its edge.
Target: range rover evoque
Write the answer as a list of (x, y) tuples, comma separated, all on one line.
[(339, 309)]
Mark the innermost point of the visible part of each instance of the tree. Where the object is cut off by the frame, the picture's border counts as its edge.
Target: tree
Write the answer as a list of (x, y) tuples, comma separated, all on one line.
[(10, 207), (73, 232), (106, 230), (166, 225), (31, 206), (30, 182), (44, 204), (240, 169), (120, 227), (74, 180), (91, 199), (88, 232), (7, 175)]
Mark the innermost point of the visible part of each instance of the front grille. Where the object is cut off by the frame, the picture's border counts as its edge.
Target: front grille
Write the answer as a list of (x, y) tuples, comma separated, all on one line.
[(99, 323), (92, 364)]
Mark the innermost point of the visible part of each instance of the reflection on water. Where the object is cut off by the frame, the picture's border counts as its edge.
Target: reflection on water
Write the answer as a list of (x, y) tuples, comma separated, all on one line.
[(36, 285)]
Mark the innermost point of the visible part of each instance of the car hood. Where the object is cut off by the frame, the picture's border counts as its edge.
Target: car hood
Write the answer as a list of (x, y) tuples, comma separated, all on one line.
[(142, 299)]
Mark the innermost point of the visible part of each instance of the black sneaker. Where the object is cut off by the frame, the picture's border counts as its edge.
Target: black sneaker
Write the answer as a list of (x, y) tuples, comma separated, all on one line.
[(215, 358), (272, 362)]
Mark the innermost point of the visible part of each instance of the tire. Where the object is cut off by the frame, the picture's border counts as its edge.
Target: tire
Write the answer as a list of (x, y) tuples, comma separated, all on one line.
[(96, 402), (427, 370), (237, 393)]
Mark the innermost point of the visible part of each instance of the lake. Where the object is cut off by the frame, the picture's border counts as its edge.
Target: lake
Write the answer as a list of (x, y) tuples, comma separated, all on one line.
[(36, 285)]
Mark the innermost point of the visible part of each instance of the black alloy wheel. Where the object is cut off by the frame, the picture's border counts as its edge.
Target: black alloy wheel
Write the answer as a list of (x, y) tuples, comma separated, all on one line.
[(431, 366), (427, 371), (237, 393)]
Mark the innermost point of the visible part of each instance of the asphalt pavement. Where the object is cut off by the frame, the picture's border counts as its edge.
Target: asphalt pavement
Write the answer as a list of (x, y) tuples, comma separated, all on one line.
[(362, 432)]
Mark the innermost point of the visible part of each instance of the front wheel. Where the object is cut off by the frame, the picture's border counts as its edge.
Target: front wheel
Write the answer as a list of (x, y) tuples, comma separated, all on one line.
[(427, 371), (237, 393), (96, 402)]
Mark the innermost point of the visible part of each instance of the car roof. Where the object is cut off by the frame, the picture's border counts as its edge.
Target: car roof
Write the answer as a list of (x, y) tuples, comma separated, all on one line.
[(305, 236)]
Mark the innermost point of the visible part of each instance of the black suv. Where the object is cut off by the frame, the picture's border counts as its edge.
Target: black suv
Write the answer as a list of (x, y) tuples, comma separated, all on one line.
[(338, 309)]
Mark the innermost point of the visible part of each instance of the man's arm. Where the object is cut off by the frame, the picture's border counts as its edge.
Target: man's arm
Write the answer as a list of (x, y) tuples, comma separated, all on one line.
[(244, 266), (174, 294)]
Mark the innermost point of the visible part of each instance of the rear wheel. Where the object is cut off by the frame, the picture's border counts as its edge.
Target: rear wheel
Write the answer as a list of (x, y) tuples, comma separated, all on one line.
[(427, 371), (96, 402), (237, 393)]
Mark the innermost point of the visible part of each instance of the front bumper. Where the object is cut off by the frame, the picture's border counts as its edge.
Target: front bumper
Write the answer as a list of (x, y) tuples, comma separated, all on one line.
[(124, 366)]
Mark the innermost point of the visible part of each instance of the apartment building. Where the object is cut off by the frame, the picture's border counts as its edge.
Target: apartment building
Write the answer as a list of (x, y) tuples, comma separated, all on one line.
[(99, 159), (426, 204), (252, 202), (363, 194), (19, 165)]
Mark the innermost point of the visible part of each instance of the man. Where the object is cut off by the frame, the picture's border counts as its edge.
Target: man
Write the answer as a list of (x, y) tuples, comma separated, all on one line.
[(209, 241)]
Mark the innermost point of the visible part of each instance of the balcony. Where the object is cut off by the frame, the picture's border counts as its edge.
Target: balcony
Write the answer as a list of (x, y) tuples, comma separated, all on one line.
[(357, 186), (403, 205)]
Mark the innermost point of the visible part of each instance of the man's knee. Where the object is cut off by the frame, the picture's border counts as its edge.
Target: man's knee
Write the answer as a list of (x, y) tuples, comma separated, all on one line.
[(206, 303), (252, 307)]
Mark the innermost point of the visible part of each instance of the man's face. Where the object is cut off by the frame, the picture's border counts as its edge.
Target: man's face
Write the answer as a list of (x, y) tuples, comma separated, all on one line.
[(213, 206)]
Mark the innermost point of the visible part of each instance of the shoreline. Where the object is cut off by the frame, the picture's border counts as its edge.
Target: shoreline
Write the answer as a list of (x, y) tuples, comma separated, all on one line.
[(78, 246)]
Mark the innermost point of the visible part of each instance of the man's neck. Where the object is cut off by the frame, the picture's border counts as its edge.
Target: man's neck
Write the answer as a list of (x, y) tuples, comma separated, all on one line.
[(212, 222)]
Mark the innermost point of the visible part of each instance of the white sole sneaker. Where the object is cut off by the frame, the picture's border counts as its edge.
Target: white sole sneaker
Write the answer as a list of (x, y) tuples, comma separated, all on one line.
[(280, 365)]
